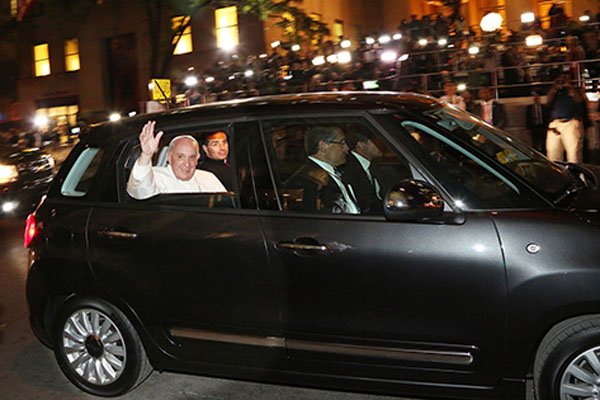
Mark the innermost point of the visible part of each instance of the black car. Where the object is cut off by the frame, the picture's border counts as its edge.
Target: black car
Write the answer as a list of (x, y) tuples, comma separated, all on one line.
[(474, 265), (25, 176)]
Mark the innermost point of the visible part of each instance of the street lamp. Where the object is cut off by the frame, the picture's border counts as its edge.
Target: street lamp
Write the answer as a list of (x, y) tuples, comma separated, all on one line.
[(345, 44), (114, 117), (369, 40)]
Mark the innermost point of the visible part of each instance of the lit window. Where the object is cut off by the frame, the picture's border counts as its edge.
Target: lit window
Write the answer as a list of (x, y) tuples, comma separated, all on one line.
[(184, 45), (338, 29), (226, 23), (72, 55), (14, 8), (41, 58)]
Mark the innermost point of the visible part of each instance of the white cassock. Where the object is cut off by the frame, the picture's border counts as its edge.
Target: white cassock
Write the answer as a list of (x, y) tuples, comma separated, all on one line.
[(146, 181)]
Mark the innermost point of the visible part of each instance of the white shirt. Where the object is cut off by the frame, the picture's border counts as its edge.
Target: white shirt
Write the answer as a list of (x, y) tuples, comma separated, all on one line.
[(487, 113), (349, 207), (456, 100), (146, 181)]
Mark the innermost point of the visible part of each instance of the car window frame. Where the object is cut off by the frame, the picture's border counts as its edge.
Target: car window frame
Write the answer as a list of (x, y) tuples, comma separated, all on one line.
[(174, 128)]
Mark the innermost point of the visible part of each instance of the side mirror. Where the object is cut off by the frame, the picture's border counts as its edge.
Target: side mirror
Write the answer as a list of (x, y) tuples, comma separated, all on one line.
[(413, 200)]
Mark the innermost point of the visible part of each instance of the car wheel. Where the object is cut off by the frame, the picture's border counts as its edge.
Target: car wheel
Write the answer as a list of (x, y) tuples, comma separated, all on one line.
[(98, 349), (567, 364)]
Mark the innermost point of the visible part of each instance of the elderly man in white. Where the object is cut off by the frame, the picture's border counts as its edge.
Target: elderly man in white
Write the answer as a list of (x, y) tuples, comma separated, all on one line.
[(180, 176)]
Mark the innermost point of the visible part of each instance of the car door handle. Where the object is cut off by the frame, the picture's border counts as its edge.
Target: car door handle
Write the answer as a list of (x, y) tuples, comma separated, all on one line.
[(301, 246), (112, 234)]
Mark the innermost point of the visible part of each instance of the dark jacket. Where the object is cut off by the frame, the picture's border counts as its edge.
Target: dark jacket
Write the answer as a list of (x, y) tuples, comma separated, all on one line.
[(319, 191), (357, 177), (222, 171), (499, 117)]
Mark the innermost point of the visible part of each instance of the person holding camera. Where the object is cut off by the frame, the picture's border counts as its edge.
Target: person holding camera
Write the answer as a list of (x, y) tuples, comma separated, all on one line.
[(567, 110)]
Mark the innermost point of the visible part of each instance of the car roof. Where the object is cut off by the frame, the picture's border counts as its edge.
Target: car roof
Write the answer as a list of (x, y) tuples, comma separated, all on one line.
[(286, 104)]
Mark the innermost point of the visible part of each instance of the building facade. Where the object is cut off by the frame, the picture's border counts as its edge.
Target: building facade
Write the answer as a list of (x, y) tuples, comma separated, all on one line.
[(103, 61)]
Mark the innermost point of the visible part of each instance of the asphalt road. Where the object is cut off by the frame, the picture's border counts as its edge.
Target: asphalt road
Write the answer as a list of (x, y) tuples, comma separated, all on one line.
[(28, 370)]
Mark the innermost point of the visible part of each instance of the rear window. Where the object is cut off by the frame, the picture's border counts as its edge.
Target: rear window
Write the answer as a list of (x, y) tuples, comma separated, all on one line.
[(79, 180)]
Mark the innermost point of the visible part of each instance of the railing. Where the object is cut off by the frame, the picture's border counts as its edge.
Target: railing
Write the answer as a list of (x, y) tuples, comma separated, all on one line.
[(535, 77)]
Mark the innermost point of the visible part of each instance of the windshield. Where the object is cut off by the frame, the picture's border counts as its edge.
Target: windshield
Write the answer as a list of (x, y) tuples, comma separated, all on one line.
[(546, 177)]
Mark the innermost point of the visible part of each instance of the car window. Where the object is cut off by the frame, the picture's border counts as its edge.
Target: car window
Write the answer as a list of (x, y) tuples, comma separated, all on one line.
[(329, 166), (546, 177), (81, 175), (472, 182), (184, 174)]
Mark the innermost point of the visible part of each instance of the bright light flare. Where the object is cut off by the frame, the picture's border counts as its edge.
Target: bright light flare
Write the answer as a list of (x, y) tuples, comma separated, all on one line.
[(534, 40), (41, 121), (114, 117), (318, 60), (344, 57), (491, 22), (191, 81), (527, 17), (389, 56)]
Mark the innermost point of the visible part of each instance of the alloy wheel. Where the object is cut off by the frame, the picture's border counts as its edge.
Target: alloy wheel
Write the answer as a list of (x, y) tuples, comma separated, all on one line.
[(94, 347), (581, 379)]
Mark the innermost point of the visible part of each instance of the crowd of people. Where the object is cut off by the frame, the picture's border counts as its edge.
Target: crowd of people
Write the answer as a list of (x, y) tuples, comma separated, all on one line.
[(420, 57)]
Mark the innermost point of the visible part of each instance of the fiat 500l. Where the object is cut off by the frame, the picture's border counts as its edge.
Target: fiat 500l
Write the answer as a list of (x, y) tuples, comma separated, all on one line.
[(463, 264)]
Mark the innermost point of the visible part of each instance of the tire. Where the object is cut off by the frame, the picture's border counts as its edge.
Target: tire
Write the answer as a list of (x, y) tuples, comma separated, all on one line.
[(567, 363), (98, 349)]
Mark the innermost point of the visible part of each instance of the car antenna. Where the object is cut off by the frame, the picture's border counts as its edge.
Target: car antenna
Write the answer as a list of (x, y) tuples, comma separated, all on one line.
[(167, 100)]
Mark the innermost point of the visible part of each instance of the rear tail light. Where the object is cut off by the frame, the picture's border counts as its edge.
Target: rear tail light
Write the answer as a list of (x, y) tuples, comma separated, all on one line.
[(30, 230)]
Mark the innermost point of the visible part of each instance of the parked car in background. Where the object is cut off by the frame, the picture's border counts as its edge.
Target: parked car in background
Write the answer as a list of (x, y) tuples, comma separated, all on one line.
[(475, 264), (25, 176)]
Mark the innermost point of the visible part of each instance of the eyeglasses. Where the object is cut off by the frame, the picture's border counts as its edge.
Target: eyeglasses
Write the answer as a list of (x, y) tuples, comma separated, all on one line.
[(341, 142)]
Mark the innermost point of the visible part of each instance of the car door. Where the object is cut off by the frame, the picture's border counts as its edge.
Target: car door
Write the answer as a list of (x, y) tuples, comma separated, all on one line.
[(371, 298), (192, 267)]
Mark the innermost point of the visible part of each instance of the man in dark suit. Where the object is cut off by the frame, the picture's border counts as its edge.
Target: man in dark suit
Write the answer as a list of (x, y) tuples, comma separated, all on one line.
[(215, 147), (323, 189), (359, 174), (490, 110), (537, 121)]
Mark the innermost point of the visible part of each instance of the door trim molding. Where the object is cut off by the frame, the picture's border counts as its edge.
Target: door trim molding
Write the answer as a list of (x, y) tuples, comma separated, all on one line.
[(390, 353)]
